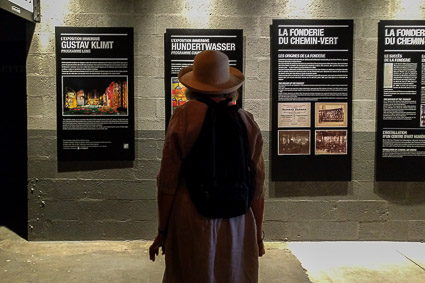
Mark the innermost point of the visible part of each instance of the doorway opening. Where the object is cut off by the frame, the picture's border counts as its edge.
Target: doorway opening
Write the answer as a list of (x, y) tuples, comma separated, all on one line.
[(15, 38)]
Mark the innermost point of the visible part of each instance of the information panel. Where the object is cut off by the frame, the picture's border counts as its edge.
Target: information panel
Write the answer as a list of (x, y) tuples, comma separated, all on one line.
[(400, 135), (311, 99), (26, 9), (95, 109), (181, 47)]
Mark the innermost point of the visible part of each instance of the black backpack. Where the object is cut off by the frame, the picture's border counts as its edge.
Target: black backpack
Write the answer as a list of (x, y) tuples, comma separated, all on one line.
[(218, 169)]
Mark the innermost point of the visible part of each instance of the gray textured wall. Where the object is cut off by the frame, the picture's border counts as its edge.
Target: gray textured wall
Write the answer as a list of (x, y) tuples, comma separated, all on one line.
[(117, 200)]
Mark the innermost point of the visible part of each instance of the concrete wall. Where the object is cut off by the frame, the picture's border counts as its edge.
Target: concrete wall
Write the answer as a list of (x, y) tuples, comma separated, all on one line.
[(117, 200)]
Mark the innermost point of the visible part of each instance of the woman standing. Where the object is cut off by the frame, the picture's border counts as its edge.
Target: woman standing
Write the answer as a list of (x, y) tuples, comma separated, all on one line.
[(201, 249)]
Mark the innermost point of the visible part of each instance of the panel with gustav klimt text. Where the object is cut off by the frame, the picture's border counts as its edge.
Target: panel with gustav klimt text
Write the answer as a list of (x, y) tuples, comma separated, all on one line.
[(95, 96)]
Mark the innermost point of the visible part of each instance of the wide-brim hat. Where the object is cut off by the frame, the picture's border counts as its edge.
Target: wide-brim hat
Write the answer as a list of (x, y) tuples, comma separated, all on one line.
[(211, 74)]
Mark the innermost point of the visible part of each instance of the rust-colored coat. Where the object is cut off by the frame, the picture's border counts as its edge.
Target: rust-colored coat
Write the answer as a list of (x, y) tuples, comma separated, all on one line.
[(200, 249)]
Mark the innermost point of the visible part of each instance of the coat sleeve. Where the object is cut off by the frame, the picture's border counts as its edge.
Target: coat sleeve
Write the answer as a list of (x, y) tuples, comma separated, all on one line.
[(255, 139), (182, 131), (169, 172)]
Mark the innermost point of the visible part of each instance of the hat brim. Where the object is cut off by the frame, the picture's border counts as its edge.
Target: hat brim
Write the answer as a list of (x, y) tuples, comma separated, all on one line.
[(187, 79)]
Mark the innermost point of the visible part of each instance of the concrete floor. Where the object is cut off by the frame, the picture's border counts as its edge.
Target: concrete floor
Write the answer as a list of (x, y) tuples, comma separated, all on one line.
[(127, 261)]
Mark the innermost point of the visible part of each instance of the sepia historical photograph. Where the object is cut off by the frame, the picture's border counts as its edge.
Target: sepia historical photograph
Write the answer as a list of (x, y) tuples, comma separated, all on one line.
[(388, 75), (293, 142), (293, 114), (331, 114), (331, 142)]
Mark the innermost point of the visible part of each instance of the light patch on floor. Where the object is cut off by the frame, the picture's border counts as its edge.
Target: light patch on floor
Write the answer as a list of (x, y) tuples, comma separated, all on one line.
[(361, 261)]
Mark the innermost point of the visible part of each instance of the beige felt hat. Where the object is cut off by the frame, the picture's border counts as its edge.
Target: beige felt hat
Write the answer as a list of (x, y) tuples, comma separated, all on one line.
[(211, 74)]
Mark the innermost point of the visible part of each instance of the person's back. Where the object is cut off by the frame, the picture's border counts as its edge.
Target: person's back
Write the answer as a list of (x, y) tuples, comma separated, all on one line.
[(200, 248), (218, 170)]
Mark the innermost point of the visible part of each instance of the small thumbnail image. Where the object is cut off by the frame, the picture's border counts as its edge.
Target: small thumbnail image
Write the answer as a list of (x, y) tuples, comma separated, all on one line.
[(388, 75), (422, 115), (178, 94), (84, 96), (293, 114), (331, 114), (331, 142), (293, 142)]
